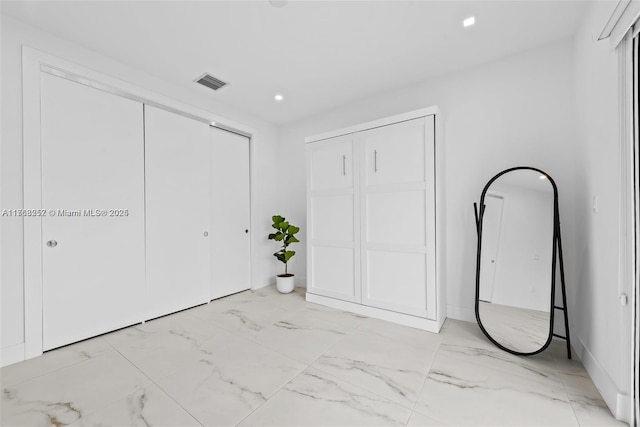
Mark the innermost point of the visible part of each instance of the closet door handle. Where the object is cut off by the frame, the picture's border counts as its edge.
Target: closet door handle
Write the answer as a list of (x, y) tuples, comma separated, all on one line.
[(344, 165), (375, 160)]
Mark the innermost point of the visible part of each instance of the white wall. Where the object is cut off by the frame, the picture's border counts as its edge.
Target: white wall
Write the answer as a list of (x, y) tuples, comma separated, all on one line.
[(516, 111), (14, 35), (601, 325)]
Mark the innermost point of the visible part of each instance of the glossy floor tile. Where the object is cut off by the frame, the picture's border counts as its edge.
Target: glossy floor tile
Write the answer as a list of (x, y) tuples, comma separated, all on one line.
[(224, 389), (317, 399), (394, 369), (260, 358), (491, 396), (67, 395), (147, 406)]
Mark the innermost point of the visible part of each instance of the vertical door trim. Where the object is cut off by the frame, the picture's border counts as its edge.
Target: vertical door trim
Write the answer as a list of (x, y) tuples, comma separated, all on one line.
[(360, 153), (358, 168), (429, 139), (35, 62), (32, 199)]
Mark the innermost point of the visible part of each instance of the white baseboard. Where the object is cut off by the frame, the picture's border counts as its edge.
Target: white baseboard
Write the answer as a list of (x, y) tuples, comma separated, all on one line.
[(461, 313), (12, 354), (623, 408), (378, 313), (619, 403), (299, 281)]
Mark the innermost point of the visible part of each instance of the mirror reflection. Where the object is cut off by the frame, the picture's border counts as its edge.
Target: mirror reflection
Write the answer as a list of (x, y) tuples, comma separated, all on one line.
[(515, 270)]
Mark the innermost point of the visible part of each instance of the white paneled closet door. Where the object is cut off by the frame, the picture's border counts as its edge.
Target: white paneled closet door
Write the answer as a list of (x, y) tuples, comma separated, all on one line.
[(230, 213), (333, 262), (92, 163), (177, 171), (398, 244)]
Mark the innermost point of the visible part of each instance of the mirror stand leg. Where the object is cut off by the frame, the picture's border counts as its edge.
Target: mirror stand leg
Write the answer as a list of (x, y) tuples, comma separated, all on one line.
[(564, 291), (475, 211)]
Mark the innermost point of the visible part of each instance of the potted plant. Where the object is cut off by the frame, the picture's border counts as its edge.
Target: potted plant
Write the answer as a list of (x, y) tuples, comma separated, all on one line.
[(285, 233)]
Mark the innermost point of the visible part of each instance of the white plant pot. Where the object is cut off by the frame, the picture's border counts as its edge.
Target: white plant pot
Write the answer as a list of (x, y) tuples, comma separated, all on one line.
[(284, 284)]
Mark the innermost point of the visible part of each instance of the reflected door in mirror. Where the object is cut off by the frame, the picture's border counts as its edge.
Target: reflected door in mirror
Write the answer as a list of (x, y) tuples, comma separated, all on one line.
[(492, 221)]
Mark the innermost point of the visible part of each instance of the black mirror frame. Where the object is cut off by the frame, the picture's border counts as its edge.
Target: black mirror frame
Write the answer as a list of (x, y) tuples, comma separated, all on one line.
[(557, 254)]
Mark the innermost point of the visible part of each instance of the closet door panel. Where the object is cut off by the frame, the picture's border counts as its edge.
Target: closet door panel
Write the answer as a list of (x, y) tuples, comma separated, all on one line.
[(330, 213), (395, 154), (230, 213), (333, 267), (331, 164), (92, 257), (177, 170), (332, 260), (334, 272), (396, 217), (396, 281)]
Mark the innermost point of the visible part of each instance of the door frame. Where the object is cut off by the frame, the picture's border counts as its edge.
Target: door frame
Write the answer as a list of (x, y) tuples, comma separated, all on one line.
[(635, 176), (626, 407), (35, 62)]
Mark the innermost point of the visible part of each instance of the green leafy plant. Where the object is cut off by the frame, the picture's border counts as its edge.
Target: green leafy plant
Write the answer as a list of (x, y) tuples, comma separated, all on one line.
[(285, 233)]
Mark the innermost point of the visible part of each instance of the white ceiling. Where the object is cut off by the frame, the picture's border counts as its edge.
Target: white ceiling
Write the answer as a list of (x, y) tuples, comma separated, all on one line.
[(318, 54)]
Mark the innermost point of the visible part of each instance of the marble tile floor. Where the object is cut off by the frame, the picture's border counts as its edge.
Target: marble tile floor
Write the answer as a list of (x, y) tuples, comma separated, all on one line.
[(259, 358)]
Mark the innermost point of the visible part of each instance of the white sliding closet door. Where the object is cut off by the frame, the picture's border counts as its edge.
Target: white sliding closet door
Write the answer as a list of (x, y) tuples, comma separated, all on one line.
[(398, 223), (230, 216), (177, 171), (92, 159)]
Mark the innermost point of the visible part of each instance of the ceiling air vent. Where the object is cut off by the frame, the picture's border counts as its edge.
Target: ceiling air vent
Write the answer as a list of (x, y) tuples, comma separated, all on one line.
[(210, 82)]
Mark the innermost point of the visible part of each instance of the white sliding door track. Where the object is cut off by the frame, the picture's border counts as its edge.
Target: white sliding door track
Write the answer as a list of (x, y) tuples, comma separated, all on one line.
[(116, 91)]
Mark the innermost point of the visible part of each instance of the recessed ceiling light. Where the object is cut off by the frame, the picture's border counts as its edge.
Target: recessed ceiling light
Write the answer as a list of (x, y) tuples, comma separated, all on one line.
[(278, 97), (469, 21)]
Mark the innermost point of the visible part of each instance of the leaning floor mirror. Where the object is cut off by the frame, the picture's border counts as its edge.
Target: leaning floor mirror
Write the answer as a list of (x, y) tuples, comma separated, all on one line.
[(519, 257)]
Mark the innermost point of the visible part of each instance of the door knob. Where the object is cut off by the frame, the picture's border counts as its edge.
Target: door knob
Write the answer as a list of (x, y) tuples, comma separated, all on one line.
[(246, 230), (52, 243)]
